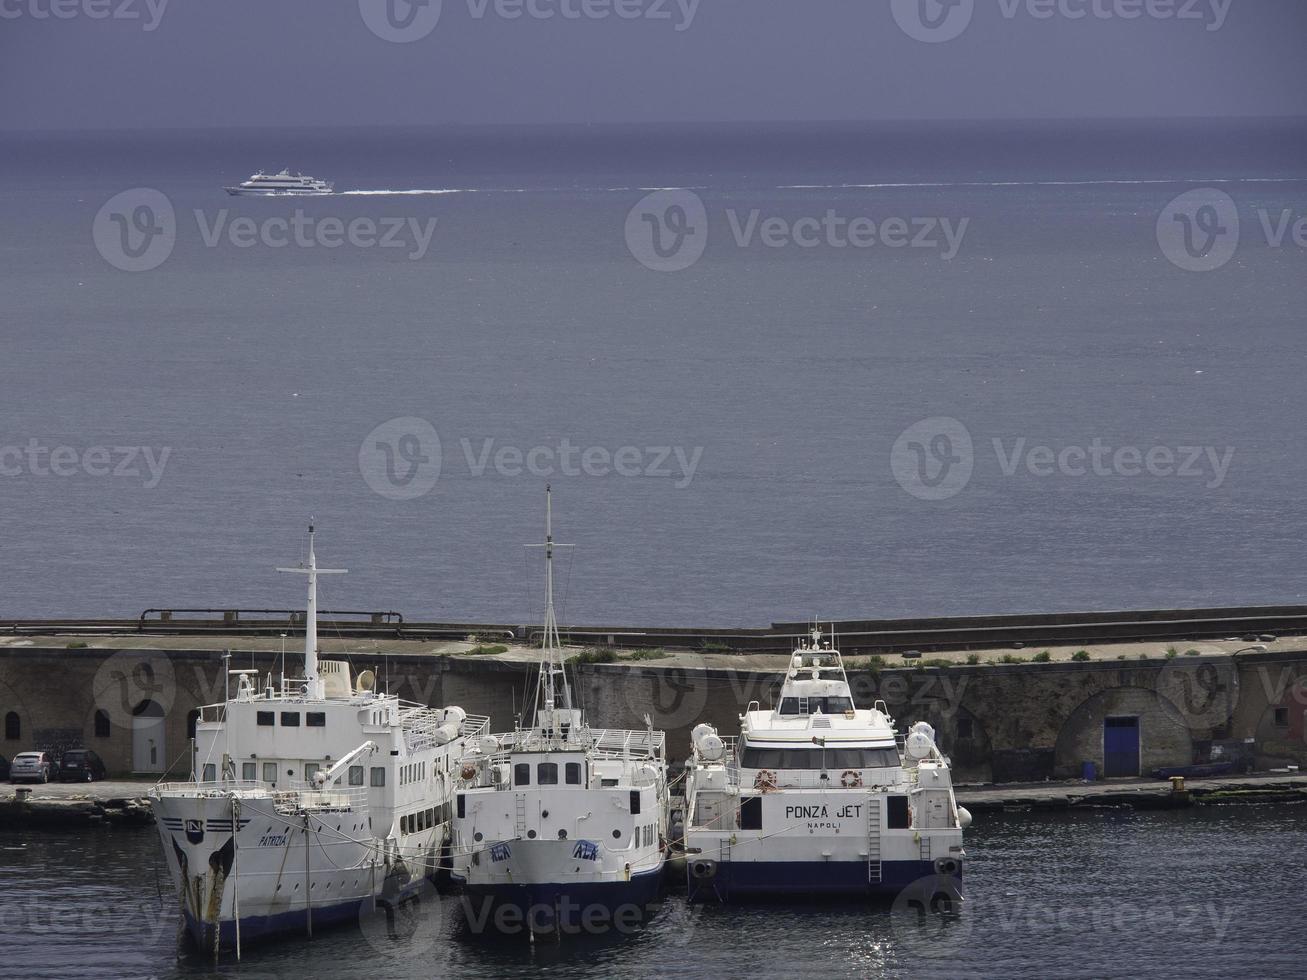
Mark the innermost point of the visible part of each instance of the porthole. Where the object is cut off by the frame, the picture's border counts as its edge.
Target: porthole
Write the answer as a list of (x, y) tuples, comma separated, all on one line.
[(477, 836), (617, 835), (531, 835), (562, 835)]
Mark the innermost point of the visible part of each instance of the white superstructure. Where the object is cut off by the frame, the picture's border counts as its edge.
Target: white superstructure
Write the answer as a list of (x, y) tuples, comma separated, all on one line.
[(816, 797), (311, 799), (559, 827), (280, 185)]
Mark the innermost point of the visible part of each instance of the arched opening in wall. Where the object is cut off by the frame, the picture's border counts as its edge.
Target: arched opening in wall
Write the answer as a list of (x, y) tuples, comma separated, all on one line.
[(101, 723), (1123, 731), (192, 719), (148, 742), (13, 727)]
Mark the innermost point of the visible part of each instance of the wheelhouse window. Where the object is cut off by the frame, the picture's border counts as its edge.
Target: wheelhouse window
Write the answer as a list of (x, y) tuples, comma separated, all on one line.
[(210, 773), (817, 758), (249, 771), (356, 775), (547, 773), (378, 776), (266, 718), (522, 774), (310, 770), (810, 706), (573, 774), (290, 719), (270, 773), (316, 719)]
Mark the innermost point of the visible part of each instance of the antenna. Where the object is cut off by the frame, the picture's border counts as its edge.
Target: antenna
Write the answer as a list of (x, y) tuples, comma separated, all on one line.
[(312, 570), (550, 666)]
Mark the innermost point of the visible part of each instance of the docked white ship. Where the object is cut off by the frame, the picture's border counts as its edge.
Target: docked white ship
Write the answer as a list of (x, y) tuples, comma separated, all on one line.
[(562, 828), (284, 184), (818, 798), (310, 800)]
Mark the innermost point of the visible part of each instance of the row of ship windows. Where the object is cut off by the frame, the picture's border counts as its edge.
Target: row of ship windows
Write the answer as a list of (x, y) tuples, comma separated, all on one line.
[(425, 819), (546, 774), (250, 773), (291, 719), (413, 773), (753, 758)]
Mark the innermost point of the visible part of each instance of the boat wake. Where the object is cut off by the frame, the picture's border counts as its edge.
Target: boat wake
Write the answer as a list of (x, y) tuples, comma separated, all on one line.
[(886, 185), (1048, 183)]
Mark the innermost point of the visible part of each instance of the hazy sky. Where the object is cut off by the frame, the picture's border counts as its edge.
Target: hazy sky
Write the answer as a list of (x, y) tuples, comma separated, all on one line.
[(315, 62)]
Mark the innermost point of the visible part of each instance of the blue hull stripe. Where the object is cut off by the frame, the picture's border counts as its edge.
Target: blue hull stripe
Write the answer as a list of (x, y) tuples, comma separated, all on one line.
[(748, 880)]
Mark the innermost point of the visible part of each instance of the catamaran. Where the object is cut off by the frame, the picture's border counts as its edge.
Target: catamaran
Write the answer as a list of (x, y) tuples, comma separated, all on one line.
[(308, 801), (284, 184), (819, 798), (562, 828)]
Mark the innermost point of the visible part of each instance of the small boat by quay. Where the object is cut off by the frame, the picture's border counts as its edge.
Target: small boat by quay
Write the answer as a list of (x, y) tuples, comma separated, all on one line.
[(560, 828), (818, 798), (311, 801)]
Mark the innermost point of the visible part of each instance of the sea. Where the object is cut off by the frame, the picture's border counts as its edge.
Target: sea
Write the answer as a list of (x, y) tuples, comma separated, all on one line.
[(771, 372), (1208, 892)]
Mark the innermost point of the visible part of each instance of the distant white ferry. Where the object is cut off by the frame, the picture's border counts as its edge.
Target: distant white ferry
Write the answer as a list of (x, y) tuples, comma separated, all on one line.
[(282, 184)]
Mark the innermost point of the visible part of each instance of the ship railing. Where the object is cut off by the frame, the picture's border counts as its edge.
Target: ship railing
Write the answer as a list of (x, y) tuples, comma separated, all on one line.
[(421, 724), (812, 778), (212, 789), (306, 796), (611, 743)]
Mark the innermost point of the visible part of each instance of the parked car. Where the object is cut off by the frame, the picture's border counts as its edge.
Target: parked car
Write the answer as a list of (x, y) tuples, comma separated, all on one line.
[(4, 767), (80, 765), (34, 767)]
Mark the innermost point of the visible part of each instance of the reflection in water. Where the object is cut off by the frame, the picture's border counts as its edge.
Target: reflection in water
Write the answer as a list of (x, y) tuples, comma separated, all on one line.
[(1096, 892)]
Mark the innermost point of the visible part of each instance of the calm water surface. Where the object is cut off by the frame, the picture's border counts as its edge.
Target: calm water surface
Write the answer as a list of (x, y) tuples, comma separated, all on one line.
[(793, 370), (1105, 893)]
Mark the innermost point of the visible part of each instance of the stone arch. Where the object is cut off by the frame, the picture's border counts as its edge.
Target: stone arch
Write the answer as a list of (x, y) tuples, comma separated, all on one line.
[(1164, 739), (13, 715), (963, 737)]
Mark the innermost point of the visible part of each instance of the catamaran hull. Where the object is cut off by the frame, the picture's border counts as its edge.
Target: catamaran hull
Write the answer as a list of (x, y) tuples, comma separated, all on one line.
[(254, 192), (749, 881)]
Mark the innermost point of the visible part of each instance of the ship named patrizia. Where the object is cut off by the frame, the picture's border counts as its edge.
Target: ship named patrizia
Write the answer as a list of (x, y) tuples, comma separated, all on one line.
[(310, 801)]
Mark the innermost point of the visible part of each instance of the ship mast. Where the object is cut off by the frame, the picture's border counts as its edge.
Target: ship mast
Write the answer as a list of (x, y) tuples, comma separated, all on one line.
[(553, 677), (313, 683)]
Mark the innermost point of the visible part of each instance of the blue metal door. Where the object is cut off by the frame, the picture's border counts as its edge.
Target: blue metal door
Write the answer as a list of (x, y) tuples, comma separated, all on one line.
[(1120, 746)]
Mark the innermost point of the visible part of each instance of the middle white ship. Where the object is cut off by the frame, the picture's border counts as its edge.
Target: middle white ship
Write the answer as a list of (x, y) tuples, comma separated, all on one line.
[(562, 828)]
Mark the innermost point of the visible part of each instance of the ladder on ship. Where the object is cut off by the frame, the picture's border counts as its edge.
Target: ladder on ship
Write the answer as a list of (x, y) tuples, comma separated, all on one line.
[(873, 840), (519, 821), (925, 847)]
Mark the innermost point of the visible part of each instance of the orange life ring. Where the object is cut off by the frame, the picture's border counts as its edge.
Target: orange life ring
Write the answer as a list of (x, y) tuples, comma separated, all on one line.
[(469, 772), (851, 779), (765, 780)]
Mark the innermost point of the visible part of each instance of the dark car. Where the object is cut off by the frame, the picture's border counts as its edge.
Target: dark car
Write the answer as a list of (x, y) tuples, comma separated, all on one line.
[(36, 767), (81, 766)]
